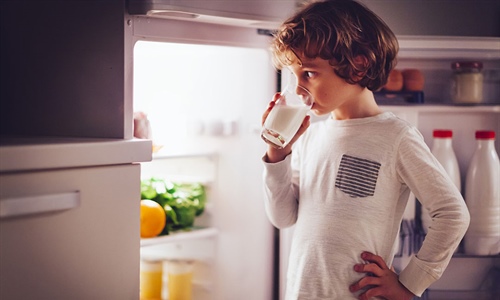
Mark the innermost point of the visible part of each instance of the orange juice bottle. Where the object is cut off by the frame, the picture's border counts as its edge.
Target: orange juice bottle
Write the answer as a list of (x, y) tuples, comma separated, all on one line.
[(180, 279), (151, 279)]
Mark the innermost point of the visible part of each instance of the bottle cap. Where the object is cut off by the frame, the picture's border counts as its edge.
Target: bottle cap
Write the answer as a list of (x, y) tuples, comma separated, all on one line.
[(485, 134), (440, 133), (467, 65)]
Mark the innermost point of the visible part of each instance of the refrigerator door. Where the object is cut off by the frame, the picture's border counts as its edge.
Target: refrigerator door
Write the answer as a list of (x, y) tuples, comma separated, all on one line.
[(204, 88)]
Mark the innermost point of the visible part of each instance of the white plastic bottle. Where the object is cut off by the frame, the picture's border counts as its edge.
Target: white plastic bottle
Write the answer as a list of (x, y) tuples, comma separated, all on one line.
[(482, 196), (442, 149)]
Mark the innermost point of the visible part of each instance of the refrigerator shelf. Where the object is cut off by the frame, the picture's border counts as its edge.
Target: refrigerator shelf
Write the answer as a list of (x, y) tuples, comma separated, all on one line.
[(180, 236), (180, 168), (449, 47), (399, 98), (440, 108), (162, 154), (460, 295), (454, 295)]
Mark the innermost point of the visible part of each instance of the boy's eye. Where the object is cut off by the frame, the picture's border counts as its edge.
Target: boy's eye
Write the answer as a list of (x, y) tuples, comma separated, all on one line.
[(310, 74)]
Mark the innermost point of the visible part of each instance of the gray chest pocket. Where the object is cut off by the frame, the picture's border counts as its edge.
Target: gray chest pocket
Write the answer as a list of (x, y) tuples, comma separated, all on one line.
[(357, 177)]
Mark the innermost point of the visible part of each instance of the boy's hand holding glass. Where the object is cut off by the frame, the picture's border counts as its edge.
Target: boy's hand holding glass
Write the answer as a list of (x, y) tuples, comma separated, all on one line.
[(287, 114)]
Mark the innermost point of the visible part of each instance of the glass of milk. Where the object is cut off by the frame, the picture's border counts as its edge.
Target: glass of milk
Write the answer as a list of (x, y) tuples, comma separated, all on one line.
[(287, 115)]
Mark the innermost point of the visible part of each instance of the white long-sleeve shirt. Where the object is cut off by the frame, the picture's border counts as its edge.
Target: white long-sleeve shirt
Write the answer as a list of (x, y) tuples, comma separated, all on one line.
[(345, 187)]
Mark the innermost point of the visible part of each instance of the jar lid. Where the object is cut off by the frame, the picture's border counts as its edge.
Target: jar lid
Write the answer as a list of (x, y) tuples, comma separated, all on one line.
[(467, 65), (442, 133), (485, 134)]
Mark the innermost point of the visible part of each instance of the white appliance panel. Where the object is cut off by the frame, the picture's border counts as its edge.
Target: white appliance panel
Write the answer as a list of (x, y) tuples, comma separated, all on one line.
[(67, 253)]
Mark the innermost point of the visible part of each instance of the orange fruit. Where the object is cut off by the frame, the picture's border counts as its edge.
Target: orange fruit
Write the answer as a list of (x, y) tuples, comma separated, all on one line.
[(153, 218), (394, 81), (413, 80)]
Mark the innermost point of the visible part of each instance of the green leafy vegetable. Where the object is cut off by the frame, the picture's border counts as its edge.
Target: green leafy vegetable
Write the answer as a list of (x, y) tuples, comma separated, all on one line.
[(182, 201)]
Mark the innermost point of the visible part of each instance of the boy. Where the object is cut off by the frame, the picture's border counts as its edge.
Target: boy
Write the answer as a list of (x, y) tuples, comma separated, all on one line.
[(346, 184)]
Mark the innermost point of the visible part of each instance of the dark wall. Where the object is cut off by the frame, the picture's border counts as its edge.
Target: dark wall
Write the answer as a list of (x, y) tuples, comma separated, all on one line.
[(62, 68)]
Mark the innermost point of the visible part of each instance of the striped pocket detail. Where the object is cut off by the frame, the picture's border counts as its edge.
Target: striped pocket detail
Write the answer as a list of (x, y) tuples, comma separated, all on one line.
[(356, 176)]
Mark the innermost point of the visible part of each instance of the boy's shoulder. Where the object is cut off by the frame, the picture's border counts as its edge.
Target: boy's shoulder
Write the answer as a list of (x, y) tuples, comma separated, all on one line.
[(385, 119), (386, 124), (397, 121), (397, 125)]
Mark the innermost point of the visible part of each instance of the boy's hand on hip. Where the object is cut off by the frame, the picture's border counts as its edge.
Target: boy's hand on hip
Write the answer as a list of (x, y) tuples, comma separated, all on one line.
[(379, 280)]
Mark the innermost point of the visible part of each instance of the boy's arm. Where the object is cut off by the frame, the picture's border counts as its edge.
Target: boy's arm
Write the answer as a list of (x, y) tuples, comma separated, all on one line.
[(423, 174), (428, 180), (280, 181), (281, 193)]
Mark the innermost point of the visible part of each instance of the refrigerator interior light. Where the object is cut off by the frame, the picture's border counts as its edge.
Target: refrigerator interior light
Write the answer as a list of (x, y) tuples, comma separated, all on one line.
[(174, 14)]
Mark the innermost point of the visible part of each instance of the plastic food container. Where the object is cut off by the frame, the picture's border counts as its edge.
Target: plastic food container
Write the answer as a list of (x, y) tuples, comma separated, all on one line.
[(467, 82)]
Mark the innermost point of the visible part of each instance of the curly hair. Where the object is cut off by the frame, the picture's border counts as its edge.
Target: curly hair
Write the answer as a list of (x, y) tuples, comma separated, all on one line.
[(339, 31)]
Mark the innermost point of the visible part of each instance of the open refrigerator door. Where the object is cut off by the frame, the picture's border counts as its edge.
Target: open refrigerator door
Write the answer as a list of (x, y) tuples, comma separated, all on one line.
[(203, 96)]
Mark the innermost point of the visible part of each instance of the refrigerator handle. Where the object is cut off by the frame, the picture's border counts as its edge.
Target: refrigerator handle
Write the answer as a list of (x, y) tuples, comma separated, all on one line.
[(39, 204)]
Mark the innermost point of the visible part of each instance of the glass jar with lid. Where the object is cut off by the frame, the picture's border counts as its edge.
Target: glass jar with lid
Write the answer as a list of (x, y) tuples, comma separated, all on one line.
[(467, 82)]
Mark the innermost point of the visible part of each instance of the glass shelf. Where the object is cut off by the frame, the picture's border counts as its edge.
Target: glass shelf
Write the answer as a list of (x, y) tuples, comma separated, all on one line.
[(441, 108), (448, 47), (179, 155), (186, 167), (180, 236), (459, 295), (462, 255)]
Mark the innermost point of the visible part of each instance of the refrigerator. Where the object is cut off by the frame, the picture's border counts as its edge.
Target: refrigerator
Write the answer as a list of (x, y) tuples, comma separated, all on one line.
[(204, 85), (74, 72)]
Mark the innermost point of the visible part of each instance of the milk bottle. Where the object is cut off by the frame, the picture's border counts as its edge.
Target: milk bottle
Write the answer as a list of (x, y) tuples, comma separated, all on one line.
[(482, 196)]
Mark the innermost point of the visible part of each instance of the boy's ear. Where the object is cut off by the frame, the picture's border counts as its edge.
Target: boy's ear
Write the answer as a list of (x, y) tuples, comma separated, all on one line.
[(361, 58), (361, 67), (361, 62)]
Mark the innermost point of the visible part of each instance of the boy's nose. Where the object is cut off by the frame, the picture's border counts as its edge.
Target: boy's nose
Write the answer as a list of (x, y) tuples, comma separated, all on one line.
[(299, 91)]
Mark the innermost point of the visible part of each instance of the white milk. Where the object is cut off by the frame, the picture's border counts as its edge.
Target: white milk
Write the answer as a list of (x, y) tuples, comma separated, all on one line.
[(283, 122)]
